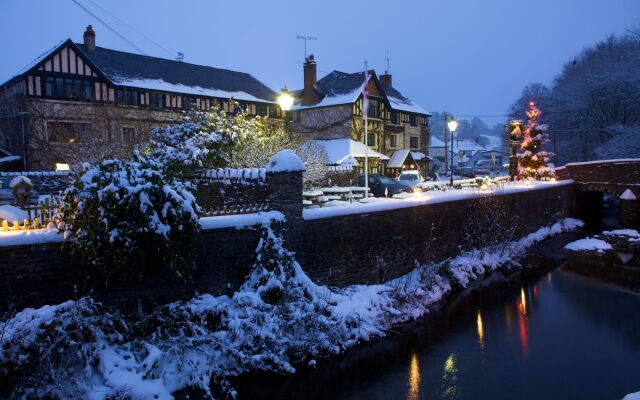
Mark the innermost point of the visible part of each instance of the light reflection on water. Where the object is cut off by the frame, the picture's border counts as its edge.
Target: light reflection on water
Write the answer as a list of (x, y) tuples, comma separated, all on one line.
[(414, 378), (480, 331), (449, 389)]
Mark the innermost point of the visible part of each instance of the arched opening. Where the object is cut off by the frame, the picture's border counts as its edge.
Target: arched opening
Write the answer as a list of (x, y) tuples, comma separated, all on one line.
[(598, 209)]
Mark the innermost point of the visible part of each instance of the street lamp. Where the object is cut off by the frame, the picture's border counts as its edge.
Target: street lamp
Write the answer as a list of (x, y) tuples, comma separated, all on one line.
[(452, 125), (285, 100)]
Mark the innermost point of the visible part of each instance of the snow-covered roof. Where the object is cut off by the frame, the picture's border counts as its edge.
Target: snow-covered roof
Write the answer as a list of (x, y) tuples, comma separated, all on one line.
[(160, 85), (341, 150), (494, 142), (338, 88), (435, 142), (418, 155), (399, 102), (154, 73), (466, 145), (397, 158)]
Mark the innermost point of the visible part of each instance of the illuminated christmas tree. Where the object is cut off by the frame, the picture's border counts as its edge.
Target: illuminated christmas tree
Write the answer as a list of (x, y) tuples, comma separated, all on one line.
[(532, 159)]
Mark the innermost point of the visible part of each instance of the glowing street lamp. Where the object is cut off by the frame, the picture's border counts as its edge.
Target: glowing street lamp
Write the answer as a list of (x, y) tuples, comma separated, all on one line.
[(285, 100), (452, 125)]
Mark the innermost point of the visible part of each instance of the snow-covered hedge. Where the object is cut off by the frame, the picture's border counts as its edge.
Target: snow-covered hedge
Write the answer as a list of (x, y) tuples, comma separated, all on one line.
[(121, 217), (277, 319)]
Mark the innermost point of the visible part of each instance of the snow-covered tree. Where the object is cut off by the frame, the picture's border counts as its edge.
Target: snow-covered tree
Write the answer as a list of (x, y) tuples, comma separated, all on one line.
[(532, 159), (125, 218), (624, 143)]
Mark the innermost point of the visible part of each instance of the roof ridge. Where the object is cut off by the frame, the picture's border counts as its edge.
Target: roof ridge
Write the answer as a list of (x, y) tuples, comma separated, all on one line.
[(160, 58)]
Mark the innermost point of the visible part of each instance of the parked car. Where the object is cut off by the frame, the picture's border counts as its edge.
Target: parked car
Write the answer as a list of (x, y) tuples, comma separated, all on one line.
[(378, 183), (465, 172), (412, 179)]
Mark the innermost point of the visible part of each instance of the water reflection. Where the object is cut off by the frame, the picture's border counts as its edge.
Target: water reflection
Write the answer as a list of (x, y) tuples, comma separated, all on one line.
[(522, 325), (480, 331), (449, 389), (414, 378)]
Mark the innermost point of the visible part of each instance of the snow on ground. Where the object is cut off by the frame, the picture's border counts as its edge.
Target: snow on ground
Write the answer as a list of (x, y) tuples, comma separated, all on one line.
[(33, 236), (429, 197), (12, 213), (278, 317), (622, 232), (239, 221), (589, 244), (632, 396)]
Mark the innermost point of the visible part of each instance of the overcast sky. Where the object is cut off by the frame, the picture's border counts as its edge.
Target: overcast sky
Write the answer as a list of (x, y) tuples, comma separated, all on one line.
[(471, 57)]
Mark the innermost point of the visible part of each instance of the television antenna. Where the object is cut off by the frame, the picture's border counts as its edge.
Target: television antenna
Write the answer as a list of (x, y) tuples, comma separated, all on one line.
[(305, 38), (387, 61)]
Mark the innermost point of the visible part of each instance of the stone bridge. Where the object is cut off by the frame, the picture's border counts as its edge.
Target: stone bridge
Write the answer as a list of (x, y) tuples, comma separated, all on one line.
[(606, 176), (614, 177)]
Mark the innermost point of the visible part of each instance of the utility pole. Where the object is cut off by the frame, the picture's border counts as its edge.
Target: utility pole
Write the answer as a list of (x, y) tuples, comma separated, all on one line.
[(305, 38), (446, 140)]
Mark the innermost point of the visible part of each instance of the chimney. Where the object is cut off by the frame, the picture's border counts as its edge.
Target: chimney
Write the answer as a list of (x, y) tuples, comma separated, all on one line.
[(90, 38), (308, 93), (385, 79)]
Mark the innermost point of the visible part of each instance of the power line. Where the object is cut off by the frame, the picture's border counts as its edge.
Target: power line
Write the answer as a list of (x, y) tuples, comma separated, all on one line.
[(133, 29), (109, 27)]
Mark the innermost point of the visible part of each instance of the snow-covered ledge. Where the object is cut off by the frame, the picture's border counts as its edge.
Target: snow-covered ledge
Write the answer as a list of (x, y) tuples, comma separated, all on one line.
[(429, 197), (240, 221), (29, 237)]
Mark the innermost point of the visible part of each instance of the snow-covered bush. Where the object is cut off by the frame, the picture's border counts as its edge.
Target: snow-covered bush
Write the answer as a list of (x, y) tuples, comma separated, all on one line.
[(125, 217)]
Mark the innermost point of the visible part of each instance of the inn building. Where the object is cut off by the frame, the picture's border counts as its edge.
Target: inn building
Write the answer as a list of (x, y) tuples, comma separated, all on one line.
[(329, 110), (79, 98)]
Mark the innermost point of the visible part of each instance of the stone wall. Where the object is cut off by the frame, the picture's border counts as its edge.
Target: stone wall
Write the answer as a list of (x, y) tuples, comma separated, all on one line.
[(362, 248), (32, 276), (376, 247)]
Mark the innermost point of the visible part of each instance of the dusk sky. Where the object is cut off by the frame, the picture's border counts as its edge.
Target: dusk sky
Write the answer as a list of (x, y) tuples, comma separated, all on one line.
[(470, 57)]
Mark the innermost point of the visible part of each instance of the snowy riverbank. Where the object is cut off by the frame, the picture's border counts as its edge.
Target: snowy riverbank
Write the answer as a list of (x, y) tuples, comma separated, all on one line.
[(277, 319)]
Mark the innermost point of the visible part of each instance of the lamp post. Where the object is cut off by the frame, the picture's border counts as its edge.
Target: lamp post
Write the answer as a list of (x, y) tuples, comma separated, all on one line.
[(452, 125), (285, 101)]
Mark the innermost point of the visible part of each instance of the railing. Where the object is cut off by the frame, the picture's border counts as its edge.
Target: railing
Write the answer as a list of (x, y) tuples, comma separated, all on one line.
[(39, 215), (226, 191)]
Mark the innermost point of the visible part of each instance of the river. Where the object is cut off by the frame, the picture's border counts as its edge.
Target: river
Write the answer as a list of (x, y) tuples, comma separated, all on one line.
[(545, 333)]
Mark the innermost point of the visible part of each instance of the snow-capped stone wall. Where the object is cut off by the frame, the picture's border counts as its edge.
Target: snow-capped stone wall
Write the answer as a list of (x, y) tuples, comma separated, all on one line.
[(340, 250)]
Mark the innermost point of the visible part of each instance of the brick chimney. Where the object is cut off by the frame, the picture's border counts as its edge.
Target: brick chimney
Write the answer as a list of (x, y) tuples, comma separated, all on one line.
[(385, 79), (90, 38), (308, 93)]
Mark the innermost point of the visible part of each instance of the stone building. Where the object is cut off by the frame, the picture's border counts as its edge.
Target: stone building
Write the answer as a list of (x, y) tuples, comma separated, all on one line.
[(331, 109), (79, 101)]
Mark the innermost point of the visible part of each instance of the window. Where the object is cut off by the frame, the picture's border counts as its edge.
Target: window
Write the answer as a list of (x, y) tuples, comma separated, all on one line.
[(68, 89), (128, 134), (127, 97), (188, 103), (414, 142), (371, 138), (393, 140), (375, 108), (156, 100), (404, 117), (68, 132), (413, 120), (394, 118), (261, 109)]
